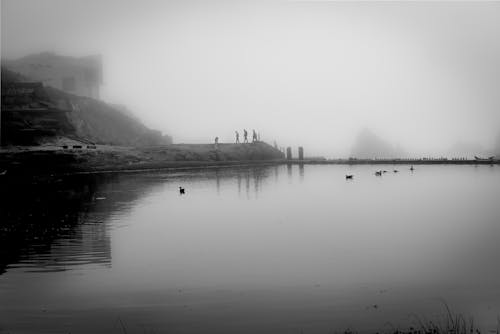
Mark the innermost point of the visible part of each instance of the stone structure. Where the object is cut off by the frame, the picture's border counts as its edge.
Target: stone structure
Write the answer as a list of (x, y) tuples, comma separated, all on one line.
[(78, 76)]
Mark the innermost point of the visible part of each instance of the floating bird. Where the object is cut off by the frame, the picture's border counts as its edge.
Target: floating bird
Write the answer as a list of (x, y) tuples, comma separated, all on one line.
[(412, 169), (396, 171), (384, 171), (349, 177), (181, 190)]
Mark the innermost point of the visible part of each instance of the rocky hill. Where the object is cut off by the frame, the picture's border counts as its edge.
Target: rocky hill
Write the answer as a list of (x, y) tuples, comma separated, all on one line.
[(370, 146), (86, 119), (98, 122)]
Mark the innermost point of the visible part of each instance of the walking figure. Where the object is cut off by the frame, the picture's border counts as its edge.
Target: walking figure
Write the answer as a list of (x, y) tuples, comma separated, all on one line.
[(245, 136), (237, 137), (216, 143), (254, 136)]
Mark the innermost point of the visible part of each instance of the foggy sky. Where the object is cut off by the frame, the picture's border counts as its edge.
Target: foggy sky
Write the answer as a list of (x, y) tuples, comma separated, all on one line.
[(314, 73)]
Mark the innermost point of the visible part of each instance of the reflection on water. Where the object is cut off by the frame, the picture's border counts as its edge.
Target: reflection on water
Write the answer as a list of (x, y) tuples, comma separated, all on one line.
[(48, 226), (274, 249), (51, 226)]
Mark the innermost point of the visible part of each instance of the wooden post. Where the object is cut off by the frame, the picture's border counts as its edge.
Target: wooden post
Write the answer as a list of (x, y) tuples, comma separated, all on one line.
[(289, 153), (301, 153)]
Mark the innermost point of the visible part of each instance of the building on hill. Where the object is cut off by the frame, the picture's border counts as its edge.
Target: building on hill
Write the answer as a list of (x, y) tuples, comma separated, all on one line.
[(34, 114), (78, 76)]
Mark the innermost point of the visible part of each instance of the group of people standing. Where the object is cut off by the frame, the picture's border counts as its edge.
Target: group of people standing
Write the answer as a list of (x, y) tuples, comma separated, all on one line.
[(255, 136)]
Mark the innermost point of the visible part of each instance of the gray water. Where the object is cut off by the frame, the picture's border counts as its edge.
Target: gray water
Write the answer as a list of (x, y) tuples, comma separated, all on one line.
[(279, 249)]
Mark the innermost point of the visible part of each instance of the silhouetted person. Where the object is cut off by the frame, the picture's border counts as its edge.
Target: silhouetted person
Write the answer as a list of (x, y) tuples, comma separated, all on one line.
[(237, 137), (245, 136), (216, 143), (254, 136)]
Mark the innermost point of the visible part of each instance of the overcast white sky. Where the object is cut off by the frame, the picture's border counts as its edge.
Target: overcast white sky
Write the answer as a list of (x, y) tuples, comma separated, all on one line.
[(314, 73)]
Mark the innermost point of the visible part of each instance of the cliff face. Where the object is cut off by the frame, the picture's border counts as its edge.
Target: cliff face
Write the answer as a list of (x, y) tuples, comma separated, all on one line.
[(102, 123), (85, 119)]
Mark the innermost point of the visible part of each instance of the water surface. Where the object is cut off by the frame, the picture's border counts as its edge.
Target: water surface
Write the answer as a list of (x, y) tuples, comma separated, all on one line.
[(279, 249)]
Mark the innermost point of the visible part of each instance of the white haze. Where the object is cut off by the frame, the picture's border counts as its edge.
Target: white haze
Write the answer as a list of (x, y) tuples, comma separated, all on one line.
[(313, 73)]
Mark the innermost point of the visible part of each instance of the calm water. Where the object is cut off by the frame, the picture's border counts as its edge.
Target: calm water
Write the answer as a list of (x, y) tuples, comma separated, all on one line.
[(251, 250)]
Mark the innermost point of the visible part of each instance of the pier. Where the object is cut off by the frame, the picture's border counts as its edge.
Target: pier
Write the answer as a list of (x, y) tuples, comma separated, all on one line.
[(301, 160), (394, 162)]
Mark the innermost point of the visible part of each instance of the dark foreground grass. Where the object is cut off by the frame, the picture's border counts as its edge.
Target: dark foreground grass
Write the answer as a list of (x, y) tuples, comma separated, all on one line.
[(450, 324), (453, 324)]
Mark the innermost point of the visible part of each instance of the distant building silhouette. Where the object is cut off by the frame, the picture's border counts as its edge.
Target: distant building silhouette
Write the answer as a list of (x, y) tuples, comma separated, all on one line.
[(79, 76), (369, 146)]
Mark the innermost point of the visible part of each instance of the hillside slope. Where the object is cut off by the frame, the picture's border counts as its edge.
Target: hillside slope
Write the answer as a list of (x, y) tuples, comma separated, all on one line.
[(89, 119), (102, 123)]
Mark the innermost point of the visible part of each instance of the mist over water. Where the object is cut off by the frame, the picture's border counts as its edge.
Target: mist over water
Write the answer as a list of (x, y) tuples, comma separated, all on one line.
[(88, 244), (422, 76), (246, 249)]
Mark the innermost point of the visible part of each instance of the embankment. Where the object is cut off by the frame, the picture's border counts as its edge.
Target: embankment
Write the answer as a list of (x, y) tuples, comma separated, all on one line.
[(38, 161)]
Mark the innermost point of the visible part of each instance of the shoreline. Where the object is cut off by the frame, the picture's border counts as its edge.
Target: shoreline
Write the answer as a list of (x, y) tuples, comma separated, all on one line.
[(197, 165), (42, 161), (394, 162), (181, 165), (39, 161)]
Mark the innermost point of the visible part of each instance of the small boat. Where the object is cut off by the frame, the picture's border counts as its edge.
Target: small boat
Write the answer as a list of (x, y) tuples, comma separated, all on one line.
[(484, 159), (2, 173), (378, 173)]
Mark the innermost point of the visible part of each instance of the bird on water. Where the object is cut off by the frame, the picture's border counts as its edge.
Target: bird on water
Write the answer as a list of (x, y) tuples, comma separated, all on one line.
[(349, 177), (181, 191)]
